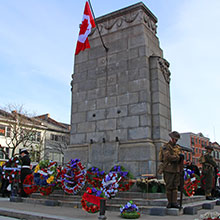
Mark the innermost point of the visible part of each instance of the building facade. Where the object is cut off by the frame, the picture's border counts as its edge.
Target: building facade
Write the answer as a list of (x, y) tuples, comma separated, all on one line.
[(56, 138), (44, 137), (18, 131)]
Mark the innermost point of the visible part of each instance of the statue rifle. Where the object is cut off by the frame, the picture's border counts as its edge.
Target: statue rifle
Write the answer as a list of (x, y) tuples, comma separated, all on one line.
[(181, 181)]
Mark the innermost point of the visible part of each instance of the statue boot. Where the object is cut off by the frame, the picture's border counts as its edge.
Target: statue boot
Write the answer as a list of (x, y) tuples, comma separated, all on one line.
[(174, 203)]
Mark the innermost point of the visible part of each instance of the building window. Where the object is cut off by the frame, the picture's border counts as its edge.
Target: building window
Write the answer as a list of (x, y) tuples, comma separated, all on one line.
[(192, 141), (2, 130), (33, 136), (1, 155), (38, 136), (54, 137), (7, 153), (63, 138), (8, 132)]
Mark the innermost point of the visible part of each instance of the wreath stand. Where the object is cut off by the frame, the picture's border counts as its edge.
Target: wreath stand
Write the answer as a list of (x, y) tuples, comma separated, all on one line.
[(147, 176)]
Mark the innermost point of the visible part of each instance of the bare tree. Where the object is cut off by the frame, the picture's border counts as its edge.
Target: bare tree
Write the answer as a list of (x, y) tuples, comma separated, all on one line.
[(22, 129), (56, 147)]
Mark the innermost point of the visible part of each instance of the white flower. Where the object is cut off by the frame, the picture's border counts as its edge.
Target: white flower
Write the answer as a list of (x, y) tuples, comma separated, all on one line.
[(210, 215)]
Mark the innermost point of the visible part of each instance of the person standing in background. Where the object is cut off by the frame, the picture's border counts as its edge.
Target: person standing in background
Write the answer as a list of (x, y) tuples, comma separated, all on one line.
[(192, 167), (25, 169), (208, 167)]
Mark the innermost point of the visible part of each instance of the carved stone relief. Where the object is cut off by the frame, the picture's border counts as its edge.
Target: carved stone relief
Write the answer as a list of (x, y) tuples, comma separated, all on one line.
[(164, 67), (127, 19)]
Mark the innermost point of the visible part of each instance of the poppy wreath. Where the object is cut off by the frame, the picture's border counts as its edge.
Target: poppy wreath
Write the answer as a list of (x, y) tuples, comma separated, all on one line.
[(73, 177), (46, 190), (28, 185), (91, 200), (11, 170), (125, 176), (109, 185), (94, 176), (45, 174), (191, 182)]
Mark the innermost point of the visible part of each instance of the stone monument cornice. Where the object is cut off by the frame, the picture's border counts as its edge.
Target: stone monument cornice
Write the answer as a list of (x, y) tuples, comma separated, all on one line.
[(138, 12), (127, 10)]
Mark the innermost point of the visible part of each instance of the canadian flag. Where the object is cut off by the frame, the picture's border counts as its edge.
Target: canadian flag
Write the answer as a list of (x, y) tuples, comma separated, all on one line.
[(85, 29)]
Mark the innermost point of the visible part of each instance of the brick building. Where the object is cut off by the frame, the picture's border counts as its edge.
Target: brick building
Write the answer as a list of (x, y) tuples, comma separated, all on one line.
[(198, 142)]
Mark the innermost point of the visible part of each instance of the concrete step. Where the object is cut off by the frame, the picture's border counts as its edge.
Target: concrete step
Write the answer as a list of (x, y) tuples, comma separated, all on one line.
[(151, 207), (140, 201), (128, 194), (188, 209)]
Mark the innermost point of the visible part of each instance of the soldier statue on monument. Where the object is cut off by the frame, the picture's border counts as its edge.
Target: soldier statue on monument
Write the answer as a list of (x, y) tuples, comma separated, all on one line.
[(208, 167), (170, 155)]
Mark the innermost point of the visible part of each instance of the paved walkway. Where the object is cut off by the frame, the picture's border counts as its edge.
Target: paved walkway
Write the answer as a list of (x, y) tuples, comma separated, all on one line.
[(33, 211)]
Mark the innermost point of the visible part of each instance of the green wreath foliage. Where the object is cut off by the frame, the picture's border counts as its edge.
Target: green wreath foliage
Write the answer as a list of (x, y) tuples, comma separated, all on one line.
[(130, 215), (151, 185)]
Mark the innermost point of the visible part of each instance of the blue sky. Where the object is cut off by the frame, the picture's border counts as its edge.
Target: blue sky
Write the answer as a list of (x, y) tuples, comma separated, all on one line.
[(37, 44)]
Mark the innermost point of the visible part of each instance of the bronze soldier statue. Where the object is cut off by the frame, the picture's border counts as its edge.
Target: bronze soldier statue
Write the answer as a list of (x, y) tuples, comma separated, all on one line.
[(170, 156), (208, 168)]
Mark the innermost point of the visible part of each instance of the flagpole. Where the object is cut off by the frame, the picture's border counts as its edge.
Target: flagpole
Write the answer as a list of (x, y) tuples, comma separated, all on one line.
[(106, 48)]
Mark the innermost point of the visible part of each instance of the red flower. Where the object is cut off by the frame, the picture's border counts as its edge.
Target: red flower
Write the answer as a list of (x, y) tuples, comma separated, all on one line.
[(88, 190)]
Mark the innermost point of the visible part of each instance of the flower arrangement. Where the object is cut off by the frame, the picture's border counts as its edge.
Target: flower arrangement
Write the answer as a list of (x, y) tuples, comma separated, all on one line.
[(125, 176), (94, 176), (73, 177), (91, 200), (191, 182), (150, 185), (130, 211), (109, 185), (11, 170), (29, 185), (45, 174), (210, 216)]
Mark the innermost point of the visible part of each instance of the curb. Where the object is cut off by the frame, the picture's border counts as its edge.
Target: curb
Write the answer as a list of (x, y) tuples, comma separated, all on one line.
[(31, 215)]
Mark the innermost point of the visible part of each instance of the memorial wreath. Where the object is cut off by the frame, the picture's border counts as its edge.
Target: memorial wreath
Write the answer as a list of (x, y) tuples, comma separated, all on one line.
[(130, 211), (45, 174), (125, 177), (94, 176), (91, 200), (11, 170), (73, 177), (191, 182)]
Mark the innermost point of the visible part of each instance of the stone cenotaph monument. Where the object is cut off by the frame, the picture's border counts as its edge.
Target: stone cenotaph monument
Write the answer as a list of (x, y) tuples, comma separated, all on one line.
[(121, 97)]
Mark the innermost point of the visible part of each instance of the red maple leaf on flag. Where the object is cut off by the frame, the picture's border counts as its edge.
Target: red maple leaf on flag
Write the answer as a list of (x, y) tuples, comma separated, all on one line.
[(85, 29)]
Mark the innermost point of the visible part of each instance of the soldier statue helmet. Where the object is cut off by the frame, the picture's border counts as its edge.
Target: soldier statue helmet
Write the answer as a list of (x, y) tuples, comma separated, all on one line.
[(174, 135)]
